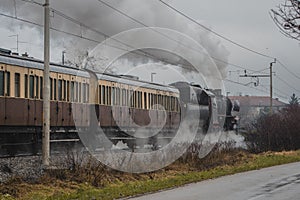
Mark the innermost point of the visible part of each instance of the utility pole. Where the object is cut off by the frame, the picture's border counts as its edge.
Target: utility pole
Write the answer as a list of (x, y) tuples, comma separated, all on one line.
[(271, 86), (265, 76), (46, 91)]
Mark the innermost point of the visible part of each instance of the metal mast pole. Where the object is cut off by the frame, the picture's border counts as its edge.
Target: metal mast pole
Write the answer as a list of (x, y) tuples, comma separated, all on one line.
[(271, 88), (46, 91)]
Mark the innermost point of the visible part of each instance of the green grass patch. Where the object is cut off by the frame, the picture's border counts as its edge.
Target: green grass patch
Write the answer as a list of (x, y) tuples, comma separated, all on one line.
[(162, 180)]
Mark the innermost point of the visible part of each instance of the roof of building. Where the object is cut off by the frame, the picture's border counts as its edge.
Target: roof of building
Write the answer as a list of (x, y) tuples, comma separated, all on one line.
[(256, 101)]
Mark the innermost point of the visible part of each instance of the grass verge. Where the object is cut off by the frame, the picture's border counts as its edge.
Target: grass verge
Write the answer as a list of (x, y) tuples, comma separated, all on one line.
[(124, 185)]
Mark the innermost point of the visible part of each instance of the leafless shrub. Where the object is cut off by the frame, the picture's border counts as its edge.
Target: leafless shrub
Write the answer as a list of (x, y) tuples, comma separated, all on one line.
[(276, 132), (78, 167), (221, 154)]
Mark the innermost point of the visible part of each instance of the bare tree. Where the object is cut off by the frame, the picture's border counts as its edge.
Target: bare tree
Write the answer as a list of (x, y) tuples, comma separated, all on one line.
[(287, 18)]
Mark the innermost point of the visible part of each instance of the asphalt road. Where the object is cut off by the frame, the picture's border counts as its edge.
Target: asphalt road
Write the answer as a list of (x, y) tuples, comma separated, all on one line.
[(275, 183)]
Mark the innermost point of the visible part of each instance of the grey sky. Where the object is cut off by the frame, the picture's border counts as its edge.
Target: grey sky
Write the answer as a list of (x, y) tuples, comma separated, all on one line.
[(246, 22), (249, 23)]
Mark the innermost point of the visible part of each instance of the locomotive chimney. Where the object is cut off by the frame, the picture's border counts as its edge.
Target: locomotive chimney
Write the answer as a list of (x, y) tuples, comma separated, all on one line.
[(25, 54)]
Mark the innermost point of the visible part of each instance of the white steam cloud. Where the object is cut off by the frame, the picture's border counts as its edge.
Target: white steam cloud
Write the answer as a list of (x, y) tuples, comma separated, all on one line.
[(95, 14)]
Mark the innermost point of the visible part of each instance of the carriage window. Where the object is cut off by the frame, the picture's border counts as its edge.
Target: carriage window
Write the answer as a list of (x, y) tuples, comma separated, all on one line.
[(103, 95), (99, 93), (152, 101), (55, 89), (127, 98), (155, 101), (17, 85), (37, 86), (87, 93), (134, 99), (59, 87), (113, 96), (72, 91), (51, 88), (79, 92), (109, 95), (84, 92), (7, 83), (68, 91), (172, 103), (145, 100), (118, 96), (1, 83), (159, 100), (166, 103), (106, 95), (41, 87), (140, 100), (149, 101), (64, 90), (124, 98), (131, 96), (31, 86), (76, 92), (26, 86), (177, 105)]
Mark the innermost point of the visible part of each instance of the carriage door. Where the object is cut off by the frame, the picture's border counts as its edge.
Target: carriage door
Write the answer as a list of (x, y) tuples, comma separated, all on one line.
[(2, 94), (32, 96)]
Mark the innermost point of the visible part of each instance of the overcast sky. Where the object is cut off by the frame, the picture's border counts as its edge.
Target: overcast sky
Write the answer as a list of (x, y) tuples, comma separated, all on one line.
[(245, 22), (249, 23)]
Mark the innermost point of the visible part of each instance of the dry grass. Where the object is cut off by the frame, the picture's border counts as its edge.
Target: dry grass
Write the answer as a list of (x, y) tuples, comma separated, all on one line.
[(88, 179)]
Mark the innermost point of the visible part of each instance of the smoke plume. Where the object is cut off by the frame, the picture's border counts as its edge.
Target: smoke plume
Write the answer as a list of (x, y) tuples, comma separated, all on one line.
[(100, 17)]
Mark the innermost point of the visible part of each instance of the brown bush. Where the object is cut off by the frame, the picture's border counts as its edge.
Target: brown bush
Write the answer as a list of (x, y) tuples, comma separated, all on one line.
[(276, 132)]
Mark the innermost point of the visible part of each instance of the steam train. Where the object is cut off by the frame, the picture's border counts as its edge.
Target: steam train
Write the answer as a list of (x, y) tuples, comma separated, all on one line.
[(121, 104)]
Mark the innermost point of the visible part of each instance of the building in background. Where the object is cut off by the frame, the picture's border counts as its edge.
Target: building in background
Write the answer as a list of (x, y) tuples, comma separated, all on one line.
[(252, 107)]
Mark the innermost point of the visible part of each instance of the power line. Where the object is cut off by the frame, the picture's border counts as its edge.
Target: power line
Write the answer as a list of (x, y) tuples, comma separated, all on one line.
[(285, 82), (105, 35), (282, 92), (217, 34), (143, 53), (282, 95), (145, 25), (137, 21), (227, 39), (255, 88), (288, 70), (238, 83), (82, 37)]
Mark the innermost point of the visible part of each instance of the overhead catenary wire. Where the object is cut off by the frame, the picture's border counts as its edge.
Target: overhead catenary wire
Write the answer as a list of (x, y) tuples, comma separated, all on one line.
[(92, 40), (227, 39), (288, 70), (286, 83), (133, 19), (145, 25), (206, 28), (238, 83), (137, 21), (214, 32), (96, 41)]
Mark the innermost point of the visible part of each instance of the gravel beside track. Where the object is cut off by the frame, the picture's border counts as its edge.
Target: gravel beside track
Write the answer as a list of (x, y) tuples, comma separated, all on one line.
[(28, 168)]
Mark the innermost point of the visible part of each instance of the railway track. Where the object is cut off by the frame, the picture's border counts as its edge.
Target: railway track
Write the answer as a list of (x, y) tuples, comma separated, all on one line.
[(32, 144)]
